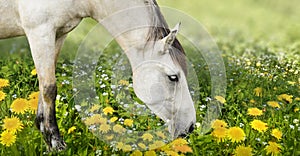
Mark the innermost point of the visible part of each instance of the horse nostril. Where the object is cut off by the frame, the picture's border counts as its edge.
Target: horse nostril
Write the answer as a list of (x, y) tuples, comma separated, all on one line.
[(192, 127)]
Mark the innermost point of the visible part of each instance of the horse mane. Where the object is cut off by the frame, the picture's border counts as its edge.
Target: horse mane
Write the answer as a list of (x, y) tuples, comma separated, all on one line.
[(160, 30)]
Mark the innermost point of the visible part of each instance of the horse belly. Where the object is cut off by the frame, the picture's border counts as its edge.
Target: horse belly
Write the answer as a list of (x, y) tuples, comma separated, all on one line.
[(10, 24)]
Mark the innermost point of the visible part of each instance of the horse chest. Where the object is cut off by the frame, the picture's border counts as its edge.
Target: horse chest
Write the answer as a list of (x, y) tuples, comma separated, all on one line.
[(10, 24), (67, 27)]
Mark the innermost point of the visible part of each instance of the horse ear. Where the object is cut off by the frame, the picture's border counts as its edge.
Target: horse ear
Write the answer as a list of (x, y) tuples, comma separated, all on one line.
[(170, 38)]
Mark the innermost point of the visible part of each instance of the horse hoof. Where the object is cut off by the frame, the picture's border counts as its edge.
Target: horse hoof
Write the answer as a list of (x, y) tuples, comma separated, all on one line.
[(57, 144)]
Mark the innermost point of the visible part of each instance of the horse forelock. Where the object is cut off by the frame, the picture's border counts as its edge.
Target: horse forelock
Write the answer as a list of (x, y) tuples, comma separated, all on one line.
[(159, 30)]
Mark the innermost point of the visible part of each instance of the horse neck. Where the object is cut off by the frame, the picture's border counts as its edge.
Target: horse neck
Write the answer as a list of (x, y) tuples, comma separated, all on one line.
[(128, 22)]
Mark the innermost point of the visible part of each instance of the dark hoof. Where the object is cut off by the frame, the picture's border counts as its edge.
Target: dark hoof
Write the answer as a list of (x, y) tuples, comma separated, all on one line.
[(54, 141), (57, 144)]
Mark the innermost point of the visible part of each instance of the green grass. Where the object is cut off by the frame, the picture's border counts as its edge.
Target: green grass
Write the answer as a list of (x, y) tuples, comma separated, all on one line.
[(260, 42)]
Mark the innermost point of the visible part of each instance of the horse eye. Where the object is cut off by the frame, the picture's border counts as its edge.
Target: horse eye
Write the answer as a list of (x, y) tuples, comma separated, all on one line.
[(173, 78)]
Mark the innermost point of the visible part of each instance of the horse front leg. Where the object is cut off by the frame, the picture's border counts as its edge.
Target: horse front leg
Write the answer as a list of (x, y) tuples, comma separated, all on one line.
[(43, 45), (46, 119)]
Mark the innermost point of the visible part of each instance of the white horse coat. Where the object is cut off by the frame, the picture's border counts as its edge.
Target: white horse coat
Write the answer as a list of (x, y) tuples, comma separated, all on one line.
[(159, 72)]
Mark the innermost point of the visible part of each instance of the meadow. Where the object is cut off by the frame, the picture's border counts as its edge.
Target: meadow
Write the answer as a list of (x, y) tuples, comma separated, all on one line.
[(260, 45)]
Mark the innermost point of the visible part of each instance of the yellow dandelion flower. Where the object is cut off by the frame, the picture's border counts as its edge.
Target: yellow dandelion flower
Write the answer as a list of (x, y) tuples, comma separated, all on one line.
[(291, 82), (33, 105), (160, 134), (4, 83), (220, 99), (248, 63), (258, 91), (119, 129), (171, 153), (273, 104), (159, 143), (236, 134), (113, 119), (104, 128), (12, 124), (183, 149), (219, 133), (255, 112), (126, 148), (7, 138), (33, 72), (119, 145), (95, 108), (88, 121), (219, 124), (285, 97), (99, 119), (109, 137), (2, 95), (95, 119), (108, 110), (136, 153), (124, 82), (258, 64), (273, 148), (156, 144), (19, 106), (142, 146), (128, 122), (71, 129), (243, 151), (252, 101), (179, 141), (296, 109), (150, 153), (147, 136), (259, 125), (105, 148), (34, 95), (167, 147), (277, 133), (153, 147), (102, 120), (297, 99)]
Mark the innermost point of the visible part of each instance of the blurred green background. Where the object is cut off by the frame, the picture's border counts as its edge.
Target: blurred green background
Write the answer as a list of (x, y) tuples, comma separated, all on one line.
[(272, 22)]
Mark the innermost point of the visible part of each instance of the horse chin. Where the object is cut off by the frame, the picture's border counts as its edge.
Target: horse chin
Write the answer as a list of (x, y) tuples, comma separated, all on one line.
[(177, 126), (187, 132), (177, 130)]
